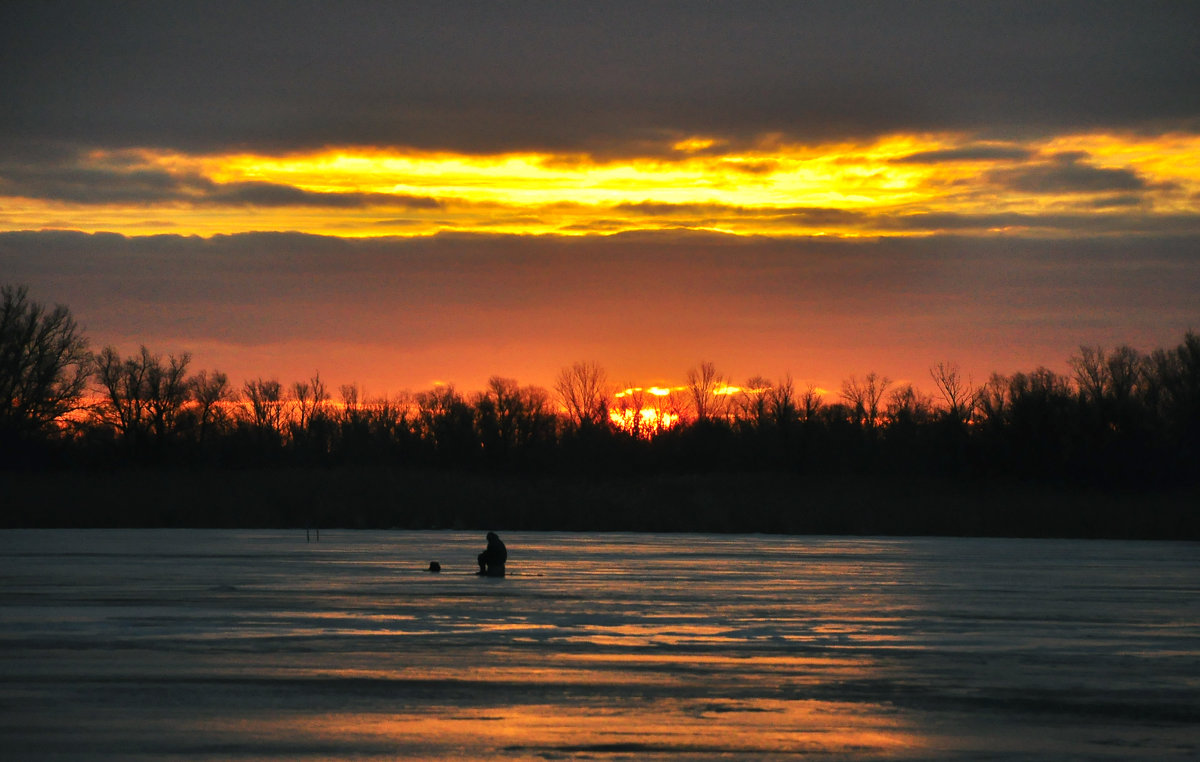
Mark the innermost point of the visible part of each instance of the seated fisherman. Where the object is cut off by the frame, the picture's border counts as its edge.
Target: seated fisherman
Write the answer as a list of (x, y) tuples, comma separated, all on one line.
[(491, 561)]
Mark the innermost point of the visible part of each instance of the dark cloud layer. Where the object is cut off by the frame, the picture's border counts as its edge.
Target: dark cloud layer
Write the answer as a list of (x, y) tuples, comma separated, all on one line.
[(1112, 214), (71, 181), (398, 313), (1068, 173), (968, 153), (614, 77)]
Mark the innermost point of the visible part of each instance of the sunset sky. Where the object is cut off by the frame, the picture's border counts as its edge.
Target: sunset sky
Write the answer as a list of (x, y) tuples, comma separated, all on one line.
[(401, 194)]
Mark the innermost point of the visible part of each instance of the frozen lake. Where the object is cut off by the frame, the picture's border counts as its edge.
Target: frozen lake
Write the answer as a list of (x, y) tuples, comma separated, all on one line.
[(182, 644)]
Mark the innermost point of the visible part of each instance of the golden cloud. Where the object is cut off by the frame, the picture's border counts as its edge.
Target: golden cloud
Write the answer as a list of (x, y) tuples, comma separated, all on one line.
[(899, 185)]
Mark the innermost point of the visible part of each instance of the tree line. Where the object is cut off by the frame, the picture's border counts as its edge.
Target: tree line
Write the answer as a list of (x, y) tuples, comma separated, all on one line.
[(1120, 418)]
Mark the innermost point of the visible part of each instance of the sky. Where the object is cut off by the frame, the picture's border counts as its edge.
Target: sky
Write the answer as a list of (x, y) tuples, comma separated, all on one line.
[(404, 194)]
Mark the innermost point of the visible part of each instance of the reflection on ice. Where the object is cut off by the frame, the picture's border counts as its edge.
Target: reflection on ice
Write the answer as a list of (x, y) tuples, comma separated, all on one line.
[(256, 645)]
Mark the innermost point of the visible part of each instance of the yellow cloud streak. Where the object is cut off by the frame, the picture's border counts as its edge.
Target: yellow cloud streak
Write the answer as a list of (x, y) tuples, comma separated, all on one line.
[(536, 180), (692, 184)]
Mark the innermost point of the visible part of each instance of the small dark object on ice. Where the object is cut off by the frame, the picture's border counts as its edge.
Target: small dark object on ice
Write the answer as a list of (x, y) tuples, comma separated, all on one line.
[(434, 566), (491, 561)]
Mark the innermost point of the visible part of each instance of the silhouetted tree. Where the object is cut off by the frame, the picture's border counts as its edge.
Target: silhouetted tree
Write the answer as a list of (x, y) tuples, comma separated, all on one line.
[(308, 419), (210, 392), (511, 419), (352, 403), (1037, 415), (1116, 426), (754, 402), (908, 407), (810, 404), (1091, 373), (144, 396), (1176, 380), (265, 400), (629, 404), (582, 389), (310, 398), (958, 395), (863, 398), (167, 393), (1126, 373), (670, 409), (448, 426), (356, 425), (781, 403), (1110, 382), (993, 402), (390, 426), (44, 365), (124, 383), (704, 383)]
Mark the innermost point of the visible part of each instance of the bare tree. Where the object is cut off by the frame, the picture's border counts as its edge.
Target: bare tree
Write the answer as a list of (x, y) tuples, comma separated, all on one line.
[(353, 400), (810, 403), (1091, 373), (1174, 378), (44, 363), (994, 401), (1113, 376), (310, 398), (210, 392), (266, 404), (447, 423), (754, 401), (907, 405), (863, 398), (957, 393), (391, 416), (1126, 373), (533, 415), (145, 395), (124, 384), (582, 390), (781, 401), (703, 385), (510, 416), (167, 392)]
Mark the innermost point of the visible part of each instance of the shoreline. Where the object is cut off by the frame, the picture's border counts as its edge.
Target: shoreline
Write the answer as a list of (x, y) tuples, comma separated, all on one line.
[(725, 502)]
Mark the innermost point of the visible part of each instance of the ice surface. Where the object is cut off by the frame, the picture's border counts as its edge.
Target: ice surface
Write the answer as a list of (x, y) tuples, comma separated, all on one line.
[(183, 644)]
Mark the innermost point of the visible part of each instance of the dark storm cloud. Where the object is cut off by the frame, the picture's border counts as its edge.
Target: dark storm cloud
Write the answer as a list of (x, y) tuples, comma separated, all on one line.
[(273, 194), (1119, 201), (604, 78), (967, 153), (1117, 214), (821, 216), (420, 274), (83, 185), (1090, 223), (1067, 173), (805, 215), (65, 181)]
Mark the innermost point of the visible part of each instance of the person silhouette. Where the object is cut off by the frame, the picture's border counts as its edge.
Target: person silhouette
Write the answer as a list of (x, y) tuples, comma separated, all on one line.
[(491, 561)]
